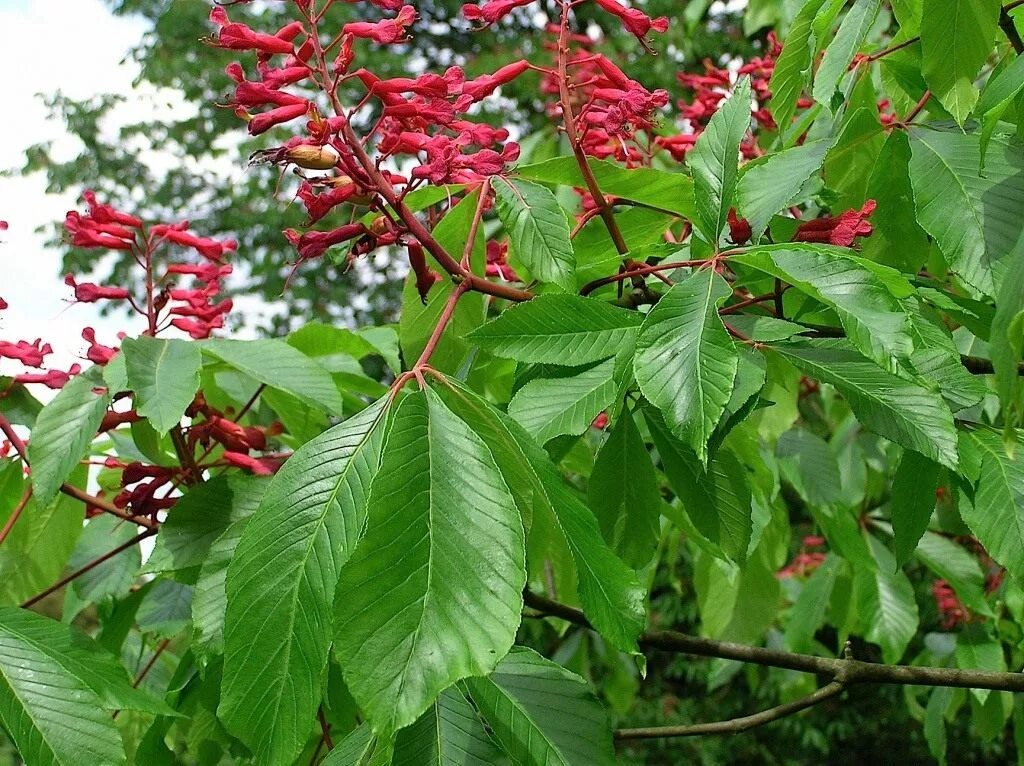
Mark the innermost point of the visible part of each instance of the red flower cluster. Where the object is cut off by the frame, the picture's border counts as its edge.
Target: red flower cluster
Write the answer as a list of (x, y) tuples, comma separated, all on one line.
[(806, 561), (951, 610)]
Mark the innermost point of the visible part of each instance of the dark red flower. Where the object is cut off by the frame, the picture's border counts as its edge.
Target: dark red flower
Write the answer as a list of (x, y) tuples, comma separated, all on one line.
[(841, 230)]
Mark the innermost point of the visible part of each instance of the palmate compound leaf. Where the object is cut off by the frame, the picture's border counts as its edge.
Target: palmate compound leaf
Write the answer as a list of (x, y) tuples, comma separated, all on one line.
[(56, 690), (897, 409), (685, 360), (559, 329), (542, 714), (433, 592), (610, 594), (281, 585)]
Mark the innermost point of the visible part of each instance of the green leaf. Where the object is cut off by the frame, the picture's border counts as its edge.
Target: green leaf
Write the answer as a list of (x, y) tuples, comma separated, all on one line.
[(418, 321), (200, 516), (897, 409), (537, 229), (898, 239), (543, 715), (995, 517), (840, 52), (559, 329), (278, 365), (623, 493), (714, 162), (1000, 92), (808, 463), (17, 404), (956, 38), (52, 696), (37, 547), (433, 593), (1007, 340), (953, 563), (936, 359), (648, 186), (792, 72), (978, 649), (64, 429), (609, 591), (865, 296), (912, 503), (808, 612), (767, 187), (114, 576), (164, 375), (885, 603), (971, 214), (281, 585), (717, 499), (209, 600), (550, 407), (360, 748), (448, 734), (685, 360), (166, 609)]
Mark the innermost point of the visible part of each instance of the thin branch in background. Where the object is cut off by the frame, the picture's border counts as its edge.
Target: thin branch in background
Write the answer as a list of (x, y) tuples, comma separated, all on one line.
[(734, 725), (325, 729), (147, 667), (15, 514), (1009, 28), (847, 670), (88, 567)]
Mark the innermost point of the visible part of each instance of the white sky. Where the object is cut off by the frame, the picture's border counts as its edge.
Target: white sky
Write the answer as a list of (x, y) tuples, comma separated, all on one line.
[(76, 46)]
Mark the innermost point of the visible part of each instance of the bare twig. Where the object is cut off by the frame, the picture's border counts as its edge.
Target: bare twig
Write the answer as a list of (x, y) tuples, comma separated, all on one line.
[(847, 670), (734, 725), (15, 514), (88, 567)]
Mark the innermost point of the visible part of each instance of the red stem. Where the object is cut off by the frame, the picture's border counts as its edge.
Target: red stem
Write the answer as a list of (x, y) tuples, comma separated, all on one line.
[(88, 567), (15, 514), (442, 322)]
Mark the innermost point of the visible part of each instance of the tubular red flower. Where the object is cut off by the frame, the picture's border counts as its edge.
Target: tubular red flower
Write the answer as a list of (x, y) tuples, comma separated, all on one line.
[(314, 244), (484, 85), (635, 21), (198, 330), (55, 379), (385, 32), (87, 292), (425, 277), (492, 11), (264, 121), (102, 213), (29, 354), (239, 37), (739, 228), (97, 353), (842, 230), (259, 466), (205, 246)]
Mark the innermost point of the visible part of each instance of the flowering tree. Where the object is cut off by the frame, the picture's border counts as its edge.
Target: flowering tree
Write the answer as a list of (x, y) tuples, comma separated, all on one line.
[(759, 339)]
